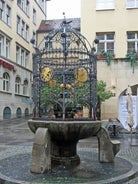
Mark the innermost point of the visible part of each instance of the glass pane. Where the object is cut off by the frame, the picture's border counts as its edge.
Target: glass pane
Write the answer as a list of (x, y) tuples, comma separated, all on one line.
[(110, 36), (131, 46), (131, 36), (100, 37), (137, 48), (136, 3), (130, 3), (100, 48), (110, 47), (102, 4)]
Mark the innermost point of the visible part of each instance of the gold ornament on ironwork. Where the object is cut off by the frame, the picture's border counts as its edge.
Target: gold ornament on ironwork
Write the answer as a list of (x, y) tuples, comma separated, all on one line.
[(46, 74), (81, 75), (66, 86), (52, 83)]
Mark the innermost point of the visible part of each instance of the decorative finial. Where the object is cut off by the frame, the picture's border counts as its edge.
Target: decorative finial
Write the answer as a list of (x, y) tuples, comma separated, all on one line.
[(64, 15)]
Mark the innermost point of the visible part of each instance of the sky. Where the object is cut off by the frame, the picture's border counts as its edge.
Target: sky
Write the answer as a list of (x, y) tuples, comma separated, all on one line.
[(55, 9)]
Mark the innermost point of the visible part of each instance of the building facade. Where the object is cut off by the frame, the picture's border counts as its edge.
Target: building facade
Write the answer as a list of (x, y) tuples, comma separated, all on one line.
[(19, 20), (113, 22)]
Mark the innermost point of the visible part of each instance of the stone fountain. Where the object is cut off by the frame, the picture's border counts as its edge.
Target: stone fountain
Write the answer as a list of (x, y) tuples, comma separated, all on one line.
[(64, 82)]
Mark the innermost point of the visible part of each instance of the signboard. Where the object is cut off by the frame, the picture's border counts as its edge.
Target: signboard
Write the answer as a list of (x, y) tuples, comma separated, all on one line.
[(123, 111), (6, 65)]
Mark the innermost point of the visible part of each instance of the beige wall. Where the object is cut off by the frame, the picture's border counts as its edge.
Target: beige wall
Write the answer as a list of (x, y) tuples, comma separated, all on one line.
[(11, 31), (120, 20), (120, 75), (10, 98)]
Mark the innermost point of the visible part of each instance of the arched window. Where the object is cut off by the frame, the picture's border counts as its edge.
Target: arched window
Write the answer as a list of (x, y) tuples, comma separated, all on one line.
[(18, 112), (6, 113), (6, 81), (25, 87), (26, 112), (17, 85)]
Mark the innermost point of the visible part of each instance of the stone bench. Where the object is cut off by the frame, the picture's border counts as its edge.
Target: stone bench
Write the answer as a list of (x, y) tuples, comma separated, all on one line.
[(107, 148)]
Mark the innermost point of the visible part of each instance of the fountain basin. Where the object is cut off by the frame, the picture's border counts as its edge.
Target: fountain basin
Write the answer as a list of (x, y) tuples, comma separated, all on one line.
[(65, 136)]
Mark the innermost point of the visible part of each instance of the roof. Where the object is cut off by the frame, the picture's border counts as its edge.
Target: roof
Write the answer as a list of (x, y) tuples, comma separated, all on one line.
[(49, 25)]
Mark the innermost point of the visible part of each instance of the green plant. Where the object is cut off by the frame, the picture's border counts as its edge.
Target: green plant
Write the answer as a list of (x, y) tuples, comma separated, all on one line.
[(109, 55), (132, 58), (78, 94), (102, 91)]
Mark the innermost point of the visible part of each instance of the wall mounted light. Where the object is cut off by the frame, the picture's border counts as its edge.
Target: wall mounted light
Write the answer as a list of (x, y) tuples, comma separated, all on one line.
[(113, 90)]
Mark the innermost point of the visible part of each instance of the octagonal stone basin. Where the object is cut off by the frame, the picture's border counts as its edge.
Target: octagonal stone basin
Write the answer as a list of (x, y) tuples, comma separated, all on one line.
[(65, 136)]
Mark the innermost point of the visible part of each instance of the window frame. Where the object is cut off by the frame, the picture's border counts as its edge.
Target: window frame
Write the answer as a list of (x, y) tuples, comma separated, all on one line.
[(24, 5), (17, 85), (22, 56), (34, 16), (133, 40), (22, 28), (105, 41), (1, 44), (8, 15), (135, 4), (4, 48), (25, 87), (5, 12), (6, 82), (2, 4), (102, 5)]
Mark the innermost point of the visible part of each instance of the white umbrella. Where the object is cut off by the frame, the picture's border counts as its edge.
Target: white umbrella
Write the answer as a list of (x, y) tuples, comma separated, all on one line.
[(129, 106)]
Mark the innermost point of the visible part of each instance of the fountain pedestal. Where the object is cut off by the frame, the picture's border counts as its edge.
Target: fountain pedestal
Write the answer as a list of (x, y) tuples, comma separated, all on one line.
[(64, 136), (64, 154)]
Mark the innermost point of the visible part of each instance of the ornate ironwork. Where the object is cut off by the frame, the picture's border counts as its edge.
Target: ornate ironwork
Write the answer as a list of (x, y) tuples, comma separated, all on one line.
[(64, 73)]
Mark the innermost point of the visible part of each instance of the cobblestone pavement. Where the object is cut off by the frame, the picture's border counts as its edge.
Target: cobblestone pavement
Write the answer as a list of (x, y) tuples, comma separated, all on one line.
[(16, 133)]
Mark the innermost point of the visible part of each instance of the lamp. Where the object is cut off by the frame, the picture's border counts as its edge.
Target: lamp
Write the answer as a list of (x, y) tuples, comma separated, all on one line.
[(113, 88)]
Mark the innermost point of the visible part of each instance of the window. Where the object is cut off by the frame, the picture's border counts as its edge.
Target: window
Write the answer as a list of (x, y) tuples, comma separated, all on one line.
[(4, 46), (6, 81), (34, 16), (18, 25), (27, 7), (106, 42), (17, 85), (25, 87), (7, 48), (48, 44), (24, 5), (22, 56), (5, 12), (27, 33), (19, 2), (1, 9), (104, 4), (18, 113), (8, 15), (132, 42), (42, 4), (22, 28), (17, 54), (7, 113), (132, 3), (1, 44), (26, 60)]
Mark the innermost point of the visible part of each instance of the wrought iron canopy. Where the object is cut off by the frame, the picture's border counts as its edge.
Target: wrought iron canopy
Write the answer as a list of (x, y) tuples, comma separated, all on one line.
[(64, 73)]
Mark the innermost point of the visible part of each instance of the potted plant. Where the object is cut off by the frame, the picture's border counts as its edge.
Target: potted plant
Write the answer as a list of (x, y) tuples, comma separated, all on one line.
[(131, 56), (106, 55)]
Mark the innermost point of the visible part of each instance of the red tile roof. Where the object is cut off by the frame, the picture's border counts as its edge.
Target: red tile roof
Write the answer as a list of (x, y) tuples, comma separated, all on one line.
[(49, 25)]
